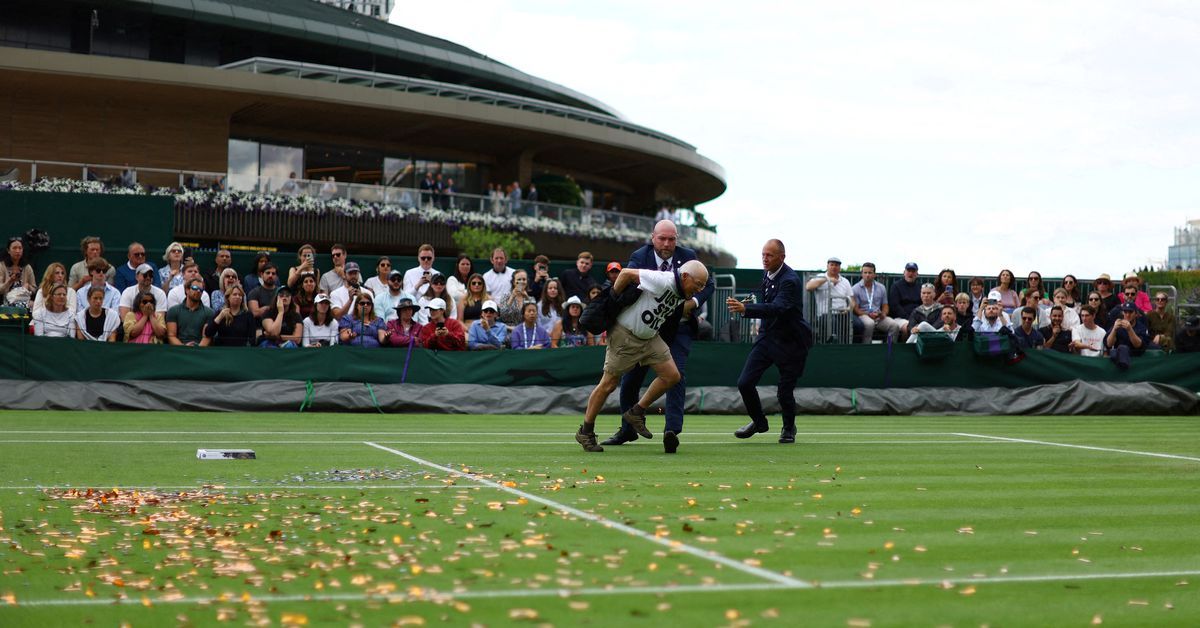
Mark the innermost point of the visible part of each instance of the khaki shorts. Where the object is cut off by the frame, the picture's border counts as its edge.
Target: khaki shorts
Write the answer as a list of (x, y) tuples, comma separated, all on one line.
[(626, 351)]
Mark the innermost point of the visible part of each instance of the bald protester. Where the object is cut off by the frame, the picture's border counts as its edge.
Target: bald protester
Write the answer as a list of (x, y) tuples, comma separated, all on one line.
[(634, 340)]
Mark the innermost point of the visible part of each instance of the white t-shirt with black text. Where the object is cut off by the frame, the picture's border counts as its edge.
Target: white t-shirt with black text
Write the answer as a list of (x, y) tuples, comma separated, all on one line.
[(659, 298)]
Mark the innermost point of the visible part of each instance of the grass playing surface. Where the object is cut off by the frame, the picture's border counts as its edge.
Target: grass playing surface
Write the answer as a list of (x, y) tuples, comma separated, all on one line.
[(503, 520)]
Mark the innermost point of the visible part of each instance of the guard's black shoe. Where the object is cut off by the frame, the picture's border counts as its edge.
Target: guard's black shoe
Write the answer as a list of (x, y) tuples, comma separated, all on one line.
[(670, 442), (621, 437), (788, 435), (751, 428), (587, 440), (636, 418)]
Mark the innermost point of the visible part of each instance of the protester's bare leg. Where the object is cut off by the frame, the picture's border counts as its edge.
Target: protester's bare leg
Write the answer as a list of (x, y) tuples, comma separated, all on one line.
[(668, 376), (608, 383)]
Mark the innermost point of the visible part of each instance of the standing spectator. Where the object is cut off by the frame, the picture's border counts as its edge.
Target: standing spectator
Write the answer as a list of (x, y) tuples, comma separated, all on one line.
[(145, 282), (378, 284), (541, 274), (437, 290), (254, 277), (185, 322), (56, 274), (550, 306), (291, 187), (17, 275), (306, 294), (221, 261), (568, 332), (529, 335), (329, 188), (80, 277), (439, 192), (233, 324), (1141, 299), (175, 295), (532, 197), (145, 323), (344, 297), (1071, 285), (470, 308), (514, 197), (448, 195), (216, 298), (1108, 299), (1057, 337), (96, 322), (1187, 339), (1006, 286), (426, 187), (1026, 334), (905, 294), (514, 300), (362, 327), (306, 262), (126, 274), (321, 328), (403, 330), (456, 283), (577, 281), (1160, 322), (1033, 283), (171, 274), (666, 213), (98, 272), (487, 333), (282, 326), (55, 320), (499, 278), (871, 307), (946, 286), (442, 333), (416, 280), (1125, 340), (335, 278), (261, 297), (1086, 338)]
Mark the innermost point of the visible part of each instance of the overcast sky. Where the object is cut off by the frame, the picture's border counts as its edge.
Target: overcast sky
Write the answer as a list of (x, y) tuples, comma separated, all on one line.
[(1062, 137)]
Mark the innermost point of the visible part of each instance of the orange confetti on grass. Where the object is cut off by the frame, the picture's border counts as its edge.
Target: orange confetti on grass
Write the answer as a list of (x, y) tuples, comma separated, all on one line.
[(968, 590), (732, 614), (410, 620), (294, 619), (522, 613)]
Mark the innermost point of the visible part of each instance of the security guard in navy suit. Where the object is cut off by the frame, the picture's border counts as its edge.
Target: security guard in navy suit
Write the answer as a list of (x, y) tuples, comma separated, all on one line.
[(784, 338), (678, 331)]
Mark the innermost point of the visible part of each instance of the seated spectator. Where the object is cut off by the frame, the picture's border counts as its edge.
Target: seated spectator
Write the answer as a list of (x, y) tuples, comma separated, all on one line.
[(79, 276), (487, 333), (1187, 339), (333, 279), (362, 326), (321, 328), (528, 335), (470, 308), (905, 294), (378, 284), (1057, 337), (175, 296), (1026, 334), (577, 281), (1095, 300), (978, 296), (17, 275), (567, 331), (1109, 299), (344, 297), (144, 283), (1006, 286), (306, 262), (306, 294), (929, 311), (233, 325), (145, 323), (1034, 284), (1160, 322), (1033, 299), (512, 304), (871, 307), (442, 333), (610, 276), (389, 297), (97, 272), (993, 316), (550, 306), (55, 274), (96, 322), (262, 295), (1129, 294), (436, 290), (594, 293), (1087, 339), (1070, 318), (948, 323), (541, 274), (127, 275), (456, 283), (1125, 340), (55, 320), (1140, 298), (254, 277), (171, 273), (186, 321), (946, 286), (282, 327), (216, 298), (403, 330), (1071, 285)]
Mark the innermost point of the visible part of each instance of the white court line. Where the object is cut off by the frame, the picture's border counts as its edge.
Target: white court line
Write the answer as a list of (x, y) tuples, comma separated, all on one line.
[(1087, 447), (222, 487), (604, 591), (558, 442), (777, 578), (394, 433)]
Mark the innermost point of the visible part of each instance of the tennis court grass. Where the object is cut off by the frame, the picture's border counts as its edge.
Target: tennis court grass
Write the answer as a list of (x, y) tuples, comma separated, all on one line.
[(502, 520)]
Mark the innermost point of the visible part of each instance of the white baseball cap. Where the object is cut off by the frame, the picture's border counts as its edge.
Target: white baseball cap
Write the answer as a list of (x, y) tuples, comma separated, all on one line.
[(994, 295), (143, 269), (488, 305), (573, 301), (437, 304)]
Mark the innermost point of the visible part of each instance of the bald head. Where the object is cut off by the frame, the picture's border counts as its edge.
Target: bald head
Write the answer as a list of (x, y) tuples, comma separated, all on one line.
[(772, 255), (664, 238)]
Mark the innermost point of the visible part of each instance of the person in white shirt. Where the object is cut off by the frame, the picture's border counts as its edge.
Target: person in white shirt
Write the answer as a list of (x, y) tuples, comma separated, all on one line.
[(177, 294), (94, 321), (55, 320), (343, 297), (1087, 338), (993, 318), (145, 283), (320, 327), (1070, 317), (378, 283), (416, 280), (499, 278), (833, 291)]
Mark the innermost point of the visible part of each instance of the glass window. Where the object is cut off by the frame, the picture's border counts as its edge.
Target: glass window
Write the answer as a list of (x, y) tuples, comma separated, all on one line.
[(243, 166), (277, 163)]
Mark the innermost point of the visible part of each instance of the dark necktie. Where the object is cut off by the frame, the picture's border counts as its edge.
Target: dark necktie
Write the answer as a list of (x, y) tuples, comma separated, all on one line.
[(665, 265)]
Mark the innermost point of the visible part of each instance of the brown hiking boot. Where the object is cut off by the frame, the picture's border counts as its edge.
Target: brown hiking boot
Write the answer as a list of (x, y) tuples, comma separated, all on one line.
[(636, 418), (587, 440)]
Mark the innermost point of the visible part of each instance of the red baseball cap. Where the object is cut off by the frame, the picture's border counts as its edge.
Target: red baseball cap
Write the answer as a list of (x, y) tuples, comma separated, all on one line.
[(612, 266)]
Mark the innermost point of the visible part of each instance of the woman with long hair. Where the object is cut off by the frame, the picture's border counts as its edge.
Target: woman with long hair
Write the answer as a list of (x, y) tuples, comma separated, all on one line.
[(320, 328), (946, 286), (233, 324), (55, 320), (470, 308), (55, 274), (306, 257), (550, 307), (567, 330), (362, 327), (17, 283), (1071, 285), (437, 290), (96, 322), (282, 327), (1096, 300), (1034, 283), (1006, 286), (509, 309), (306, 294), (171, 273), (456, 283), (254, 278)]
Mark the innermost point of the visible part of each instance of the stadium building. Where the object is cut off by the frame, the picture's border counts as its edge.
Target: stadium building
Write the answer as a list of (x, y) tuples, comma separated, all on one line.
[(242, 93)]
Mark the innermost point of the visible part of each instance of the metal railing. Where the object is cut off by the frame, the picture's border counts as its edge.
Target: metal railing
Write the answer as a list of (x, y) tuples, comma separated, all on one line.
[(349, 76), (30, 170)]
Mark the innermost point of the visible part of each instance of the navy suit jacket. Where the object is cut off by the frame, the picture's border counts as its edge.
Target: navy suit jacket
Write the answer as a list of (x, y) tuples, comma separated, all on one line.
[(645, 258), (780, 309)]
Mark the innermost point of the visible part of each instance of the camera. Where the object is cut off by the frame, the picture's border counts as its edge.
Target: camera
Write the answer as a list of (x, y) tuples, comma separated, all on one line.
[(441, 325), (308, 256)]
